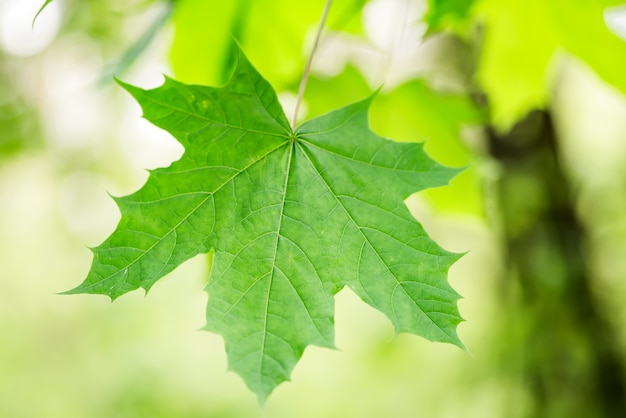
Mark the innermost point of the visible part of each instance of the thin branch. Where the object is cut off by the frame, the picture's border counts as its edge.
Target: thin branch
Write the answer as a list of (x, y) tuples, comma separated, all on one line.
[(307, 69)]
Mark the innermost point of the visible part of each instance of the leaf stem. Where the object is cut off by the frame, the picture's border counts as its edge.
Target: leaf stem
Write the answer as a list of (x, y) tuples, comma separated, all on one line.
[(307, 68)]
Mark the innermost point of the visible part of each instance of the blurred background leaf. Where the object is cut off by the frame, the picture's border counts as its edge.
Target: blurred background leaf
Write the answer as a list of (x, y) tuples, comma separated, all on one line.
[(206, 56), (444, 14), (519, 43)]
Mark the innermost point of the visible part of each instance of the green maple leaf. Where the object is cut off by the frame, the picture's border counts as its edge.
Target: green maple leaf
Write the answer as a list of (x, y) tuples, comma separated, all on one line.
[(292, 217)]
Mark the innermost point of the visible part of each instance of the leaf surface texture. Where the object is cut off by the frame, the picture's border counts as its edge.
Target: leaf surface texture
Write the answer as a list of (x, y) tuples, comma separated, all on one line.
[(293, 217)]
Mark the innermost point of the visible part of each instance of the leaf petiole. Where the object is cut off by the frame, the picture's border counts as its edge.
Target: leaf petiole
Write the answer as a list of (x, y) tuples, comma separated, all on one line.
[(307, 68)]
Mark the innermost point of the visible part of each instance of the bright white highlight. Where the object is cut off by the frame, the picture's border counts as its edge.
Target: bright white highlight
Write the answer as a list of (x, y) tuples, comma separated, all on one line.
[(615, 19)]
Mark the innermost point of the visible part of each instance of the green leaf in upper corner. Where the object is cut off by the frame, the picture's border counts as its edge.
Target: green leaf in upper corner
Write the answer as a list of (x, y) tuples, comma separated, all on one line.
[(292, 217), (43, 6), (515, 57), (596, 45)]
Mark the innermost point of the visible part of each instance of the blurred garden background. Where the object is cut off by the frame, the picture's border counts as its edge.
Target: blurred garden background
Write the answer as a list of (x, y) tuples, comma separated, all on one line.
[(528, 95)]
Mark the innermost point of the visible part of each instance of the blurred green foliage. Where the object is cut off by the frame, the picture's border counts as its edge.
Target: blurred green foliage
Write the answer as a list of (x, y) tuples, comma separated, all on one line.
[(522, 40), (19, 126), (207, 57), (444, 14)]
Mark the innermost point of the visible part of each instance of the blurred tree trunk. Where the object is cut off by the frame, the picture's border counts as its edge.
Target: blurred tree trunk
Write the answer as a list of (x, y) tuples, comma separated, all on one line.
[(560, 338)]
